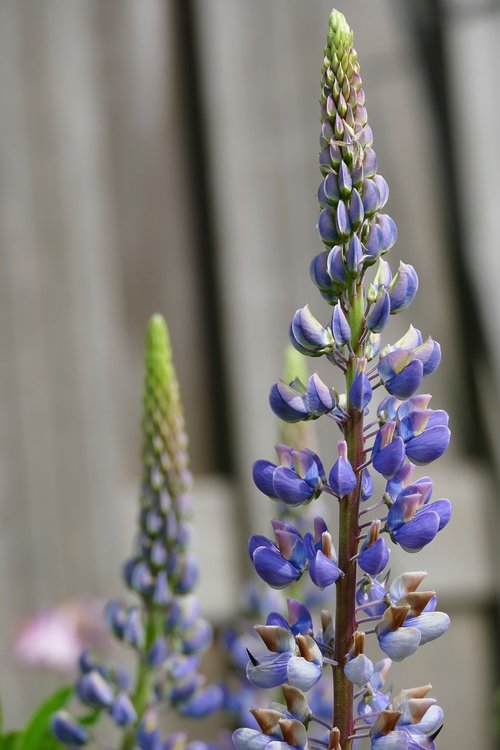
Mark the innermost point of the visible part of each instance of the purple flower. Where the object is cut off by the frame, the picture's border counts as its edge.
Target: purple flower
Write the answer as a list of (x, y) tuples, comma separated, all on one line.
[(296, 481), (281, 563), (342, 479)]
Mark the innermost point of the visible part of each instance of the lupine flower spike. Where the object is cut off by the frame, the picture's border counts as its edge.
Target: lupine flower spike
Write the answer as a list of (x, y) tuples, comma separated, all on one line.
[(164, 628), (354, 277)]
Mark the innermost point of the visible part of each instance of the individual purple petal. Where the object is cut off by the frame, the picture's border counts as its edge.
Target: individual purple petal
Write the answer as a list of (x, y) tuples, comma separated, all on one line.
[(399, 643), (405, 383), (389, 459), (374, 241), (299, 617), (122, 711), (356, 210), (375, 557), (274, 618), (257, 540), (327, 227), (443, 508), (379, 313), (367, 486), (342, 225), (291, 547), (335, 266), (323, 571), (429, 353), (303, 674), (430, 445), (290, 488), (354, 255), (262, 473), (250, 739), (342, 478), (287, 403), (360, 393), (418, 532), (318, 271), (344, 180), (389, 231), (269, 672), (319, 396), (359, 670), (403, 288), (340, 327), (383, 189), (308, 331), (370, 197), (331, 188), (67, 730), (430, 624), (203, 703), (273, 568), (369, 593)]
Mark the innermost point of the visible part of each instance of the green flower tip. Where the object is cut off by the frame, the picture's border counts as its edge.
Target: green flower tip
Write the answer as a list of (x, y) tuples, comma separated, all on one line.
[(340, 34), (294, 365), (157, 338)]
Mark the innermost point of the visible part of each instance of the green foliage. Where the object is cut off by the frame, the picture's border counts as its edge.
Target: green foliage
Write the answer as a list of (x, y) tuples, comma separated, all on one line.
[(36, 735)]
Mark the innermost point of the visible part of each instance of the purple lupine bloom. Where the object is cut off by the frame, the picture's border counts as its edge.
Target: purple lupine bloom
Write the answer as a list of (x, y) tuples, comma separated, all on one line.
[(402, 434)]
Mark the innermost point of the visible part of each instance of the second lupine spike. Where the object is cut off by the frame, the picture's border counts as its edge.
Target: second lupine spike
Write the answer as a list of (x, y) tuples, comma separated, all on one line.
[(357, 234)]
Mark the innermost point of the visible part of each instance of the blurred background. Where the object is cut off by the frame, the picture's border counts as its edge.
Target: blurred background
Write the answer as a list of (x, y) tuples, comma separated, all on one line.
[(161, 155)]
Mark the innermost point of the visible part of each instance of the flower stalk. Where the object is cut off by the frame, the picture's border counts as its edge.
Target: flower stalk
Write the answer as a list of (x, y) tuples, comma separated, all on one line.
[(356, 280)]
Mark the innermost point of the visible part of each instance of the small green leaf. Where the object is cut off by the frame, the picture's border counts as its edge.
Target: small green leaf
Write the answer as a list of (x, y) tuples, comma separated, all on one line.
[(36, 734)]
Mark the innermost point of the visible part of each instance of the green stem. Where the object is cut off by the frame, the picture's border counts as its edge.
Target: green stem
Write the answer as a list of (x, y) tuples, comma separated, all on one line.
[(142, 687), (345, 617)]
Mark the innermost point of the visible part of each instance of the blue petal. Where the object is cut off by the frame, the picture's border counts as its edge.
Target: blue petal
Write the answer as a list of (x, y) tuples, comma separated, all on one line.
[(302, 674), (290, 488), (262, 473), (430, 624), (428, 446), (323, 571), (259, 541), (373, 559), (250, 739), (273, 568), (287, 403), (203, 703), (389, 459), (342, 478), (359, 670), (270, 672), (418, 532), (443, 508), (404, 384), (400, 643), (299, 617), (360, 393)]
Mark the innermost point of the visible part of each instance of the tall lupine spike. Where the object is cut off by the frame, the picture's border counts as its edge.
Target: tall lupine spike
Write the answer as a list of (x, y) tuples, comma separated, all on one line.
[(402, 434), (165, 629)]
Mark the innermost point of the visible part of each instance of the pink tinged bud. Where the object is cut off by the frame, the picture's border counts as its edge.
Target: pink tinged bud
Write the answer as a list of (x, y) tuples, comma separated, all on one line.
[(342, 478), (374, 555), (323, 571), (334, 740), (340, 327)]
